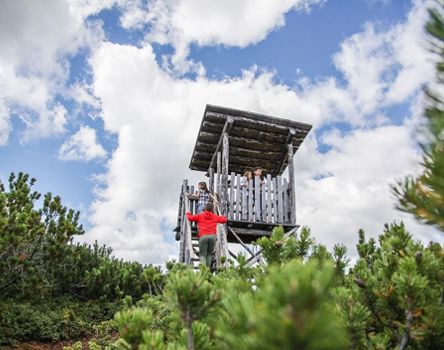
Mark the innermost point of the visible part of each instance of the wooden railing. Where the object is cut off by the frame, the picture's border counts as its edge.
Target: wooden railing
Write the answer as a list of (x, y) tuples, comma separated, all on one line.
[(265, 201), (187, 253)]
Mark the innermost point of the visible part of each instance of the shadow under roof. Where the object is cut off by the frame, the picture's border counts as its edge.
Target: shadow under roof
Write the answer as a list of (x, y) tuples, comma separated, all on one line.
[(254, 140)]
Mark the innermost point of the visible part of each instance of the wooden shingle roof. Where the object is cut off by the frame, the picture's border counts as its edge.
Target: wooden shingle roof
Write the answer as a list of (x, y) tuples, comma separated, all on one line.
[(254, 140)]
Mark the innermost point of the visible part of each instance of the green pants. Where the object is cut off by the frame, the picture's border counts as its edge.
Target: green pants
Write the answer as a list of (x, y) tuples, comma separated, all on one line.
[(206, 247)]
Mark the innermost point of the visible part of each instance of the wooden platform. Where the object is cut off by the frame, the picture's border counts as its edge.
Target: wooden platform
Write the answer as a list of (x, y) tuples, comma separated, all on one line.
[(251, 231)]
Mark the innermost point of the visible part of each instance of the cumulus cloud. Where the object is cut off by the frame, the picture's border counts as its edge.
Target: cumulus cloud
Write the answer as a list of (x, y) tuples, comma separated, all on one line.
[(156, 116), (82, 146), (386, 66), (179, 22), (34, 67)]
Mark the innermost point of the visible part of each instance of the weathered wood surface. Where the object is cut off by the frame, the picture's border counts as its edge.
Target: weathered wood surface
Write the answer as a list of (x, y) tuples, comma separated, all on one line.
[(275, 201), (291, 186), (250, 201), (266, 203), (218, 173), (244, 202), (269, 196), (280, 215), (285, 200), (238, 215), (254, 139), (224, 180), (211, 180), (225, 131), (257, 198), (232, 202)]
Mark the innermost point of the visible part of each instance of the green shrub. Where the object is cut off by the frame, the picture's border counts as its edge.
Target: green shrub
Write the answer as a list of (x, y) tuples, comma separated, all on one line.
[(57, 319)]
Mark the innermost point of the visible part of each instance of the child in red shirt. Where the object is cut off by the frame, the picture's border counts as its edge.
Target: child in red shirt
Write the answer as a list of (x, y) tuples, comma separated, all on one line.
[(206, 226)]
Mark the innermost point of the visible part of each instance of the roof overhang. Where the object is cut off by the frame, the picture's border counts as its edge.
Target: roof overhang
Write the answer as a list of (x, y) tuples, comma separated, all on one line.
[(254, 140)]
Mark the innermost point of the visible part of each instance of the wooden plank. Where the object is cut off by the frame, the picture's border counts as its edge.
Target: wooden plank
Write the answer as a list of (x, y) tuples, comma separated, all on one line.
[(250, 201), (263, 202), (250, 154), (218, 172), (257, 198), (224, 182), (260, 121), (225, 131), (232, 202), (269, 196), (238, 198), (285, 201), (275, 201), (192, 203), (280, 199), (211, 180), (240, 241), (292, 195), (244, 202)]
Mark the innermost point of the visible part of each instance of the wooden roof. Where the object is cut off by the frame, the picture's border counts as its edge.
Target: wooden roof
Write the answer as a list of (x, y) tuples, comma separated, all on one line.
[(254, 140)]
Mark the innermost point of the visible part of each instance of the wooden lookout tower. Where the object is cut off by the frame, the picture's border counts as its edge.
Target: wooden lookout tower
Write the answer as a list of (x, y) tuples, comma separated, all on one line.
[(228, 143)]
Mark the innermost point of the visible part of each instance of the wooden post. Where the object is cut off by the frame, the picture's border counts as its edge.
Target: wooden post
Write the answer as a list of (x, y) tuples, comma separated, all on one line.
[(250, 201), (280, 200), (218, 173), (257, 198), (285, 202), (269, 188), (244, 201), (238, 197), (224, 180), (275, 201), (292, 199), (211, 180), (231, 209)]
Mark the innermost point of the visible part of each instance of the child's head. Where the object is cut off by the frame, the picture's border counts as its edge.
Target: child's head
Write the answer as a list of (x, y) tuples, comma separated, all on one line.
[(248, 174), (209, 206), (257, 171), (203, 186)]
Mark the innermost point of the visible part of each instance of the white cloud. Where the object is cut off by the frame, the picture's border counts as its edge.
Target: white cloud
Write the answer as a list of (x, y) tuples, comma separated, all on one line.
[(82, 146), (180, 22), (156, 116), (386, 66), (36, 40)]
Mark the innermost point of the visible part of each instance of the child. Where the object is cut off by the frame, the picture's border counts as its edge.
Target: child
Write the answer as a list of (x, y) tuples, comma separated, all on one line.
[(246, 178), (206, 226), (202, 196), (258, 172)]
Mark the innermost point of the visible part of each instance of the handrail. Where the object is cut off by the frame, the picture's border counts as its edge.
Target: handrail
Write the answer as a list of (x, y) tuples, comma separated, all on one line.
[(187, 231)]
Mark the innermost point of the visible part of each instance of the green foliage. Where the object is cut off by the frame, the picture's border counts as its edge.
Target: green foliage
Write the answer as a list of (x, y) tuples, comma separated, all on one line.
[(277, 249), (424, 196), (38, 259), (57, 319), (31, 239), (399, 283), (290, 310)]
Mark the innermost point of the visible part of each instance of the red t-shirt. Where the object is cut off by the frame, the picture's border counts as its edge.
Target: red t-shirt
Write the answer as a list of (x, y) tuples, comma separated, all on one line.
[(206, 222)]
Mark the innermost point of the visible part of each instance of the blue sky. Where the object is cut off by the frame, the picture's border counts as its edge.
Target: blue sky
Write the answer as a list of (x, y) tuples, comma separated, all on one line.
[(101, 103)]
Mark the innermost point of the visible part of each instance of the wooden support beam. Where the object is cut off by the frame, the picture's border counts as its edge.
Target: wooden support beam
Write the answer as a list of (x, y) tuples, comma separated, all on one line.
[(218, 174), (240, 241), (224, 180), (289, 141), (291, 187), (226, 130), (211, 180)]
